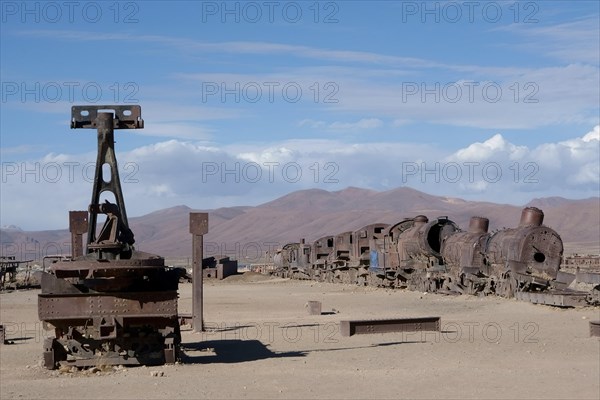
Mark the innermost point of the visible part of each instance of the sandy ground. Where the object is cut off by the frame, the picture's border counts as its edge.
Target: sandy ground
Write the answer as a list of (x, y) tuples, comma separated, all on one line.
[(262, 343)]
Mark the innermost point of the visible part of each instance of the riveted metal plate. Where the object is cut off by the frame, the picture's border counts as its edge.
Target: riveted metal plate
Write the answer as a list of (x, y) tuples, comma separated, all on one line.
[(140, 304), (361, 327)]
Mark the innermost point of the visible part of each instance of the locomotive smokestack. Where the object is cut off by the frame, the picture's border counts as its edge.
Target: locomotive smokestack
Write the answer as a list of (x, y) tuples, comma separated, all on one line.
[(531, 216), (421, 220), (479, 225)]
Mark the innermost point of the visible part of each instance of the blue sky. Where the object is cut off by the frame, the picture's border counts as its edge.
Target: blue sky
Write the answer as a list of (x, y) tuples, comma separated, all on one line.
[(247, 101)]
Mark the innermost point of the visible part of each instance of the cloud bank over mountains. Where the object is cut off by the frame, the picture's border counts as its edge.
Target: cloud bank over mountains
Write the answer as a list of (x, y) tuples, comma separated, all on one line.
[(37, 194)]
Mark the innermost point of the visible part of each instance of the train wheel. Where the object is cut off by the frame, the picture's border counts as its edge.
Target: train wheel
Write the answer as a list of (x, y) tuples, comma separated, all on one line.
[(448, 285), (472, 288), (321, 276), (420, 284), (432, 286), (377, 281), (352, 276), (372, 280), (329, 277), (415, 283), (490, 287), (362, 280), (338, 276), (508, 286)]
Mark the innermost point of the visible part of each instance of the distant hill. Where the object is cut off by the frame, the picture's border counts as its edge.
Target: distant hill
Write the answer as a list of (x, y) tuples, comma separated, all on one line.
[(246, 232)]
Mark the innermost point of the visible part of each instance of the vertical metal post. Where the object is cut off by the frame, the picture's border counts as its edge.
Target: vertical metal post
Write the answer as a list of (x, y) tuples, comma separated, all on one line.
[(198, 227), (78, 225)]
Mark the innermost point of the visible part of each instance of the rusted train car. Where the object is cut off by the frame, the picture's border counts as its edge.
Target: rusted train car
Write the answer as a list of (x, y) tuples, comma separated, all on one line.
[(437, 256)]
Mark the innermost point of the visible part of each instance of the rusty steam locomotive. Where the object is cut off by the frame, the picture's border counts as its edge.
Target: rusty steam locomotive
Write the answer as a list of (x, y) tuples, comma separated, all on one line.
[(113, 304), (437, 256)]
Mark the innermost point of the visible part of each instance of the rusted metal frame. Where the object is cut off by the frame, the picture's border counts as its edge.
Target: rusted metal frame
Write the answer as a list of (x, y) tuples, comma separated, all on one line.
[(560, 299), (106, 119), (108, 311), (198, 228), (126, 116), (94, 362), (360, 327), (133, 350), (9, 266), (531, 280), (106, 155), (81, 306), (155, 262), (2, 335)]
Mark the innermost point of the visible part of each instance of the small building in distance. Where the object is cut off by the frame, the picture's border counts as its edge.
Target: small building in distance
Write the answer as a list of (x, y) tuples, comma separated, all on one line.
[(219, 267)]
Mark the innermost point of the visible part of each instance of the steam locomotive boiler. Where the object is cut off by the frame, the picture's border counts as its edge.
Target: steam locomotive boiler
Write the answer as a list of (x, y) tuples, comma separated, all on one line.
[(113, 304), (293, 260), (526, 258), (437, 256), (464, 257)]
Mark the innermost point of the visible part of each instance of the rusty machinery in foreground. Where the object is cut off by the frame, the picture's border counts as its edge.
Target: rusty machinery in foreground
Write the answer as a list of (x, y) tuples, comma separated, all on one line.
[(436, 256), (112, 304)]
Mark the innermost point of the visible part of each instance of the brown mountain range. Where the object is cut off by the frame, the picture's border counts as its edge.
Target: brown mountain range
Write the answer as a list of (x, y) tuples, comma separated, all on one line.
[(247, 232)]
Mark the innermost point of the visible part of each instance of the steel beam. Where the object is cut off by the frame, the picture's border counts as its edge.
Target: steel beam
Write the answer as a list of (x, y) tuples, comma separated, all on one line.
[(361, 327), (78, 225), (53, 307), (560, 299), (198, 228)]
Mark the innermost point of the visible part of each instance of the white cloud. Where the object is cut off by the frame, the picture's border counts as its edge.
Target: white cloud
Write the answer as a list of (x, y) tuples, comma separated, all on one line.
[(177, 130), (570, 41), (365, 123), (592, 135), (311, 123), (183, 172), (343, 126), (491, 147), (162, 190), (371, 84), (566, 168)]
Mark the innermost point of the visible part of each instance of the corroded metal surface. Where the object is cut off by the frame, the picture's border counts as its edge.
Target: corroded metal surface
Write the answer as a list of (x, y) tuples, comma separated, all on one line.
[(53, 308), (198, 228), (8, 270), (436, 256), (108, 301), (467, 249), (422, 243), (529, 248), (561, 299), (361, 327), (78, 225)]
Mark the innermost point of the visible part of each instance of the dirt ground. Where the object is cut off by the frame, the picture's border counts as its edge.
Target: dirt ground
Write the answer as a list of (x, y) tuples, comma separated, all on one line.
[(261, 343)]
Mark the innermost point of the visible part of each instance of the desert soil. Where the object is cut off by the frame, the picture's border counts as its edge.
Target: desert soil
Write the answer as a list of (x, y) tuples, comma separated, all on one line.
[(261, 343)]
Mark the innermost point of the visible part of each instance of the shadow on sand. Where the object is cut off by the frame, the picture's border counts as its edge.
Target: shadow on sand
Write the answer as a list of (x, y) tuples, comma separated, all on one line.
[(237, 351)]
